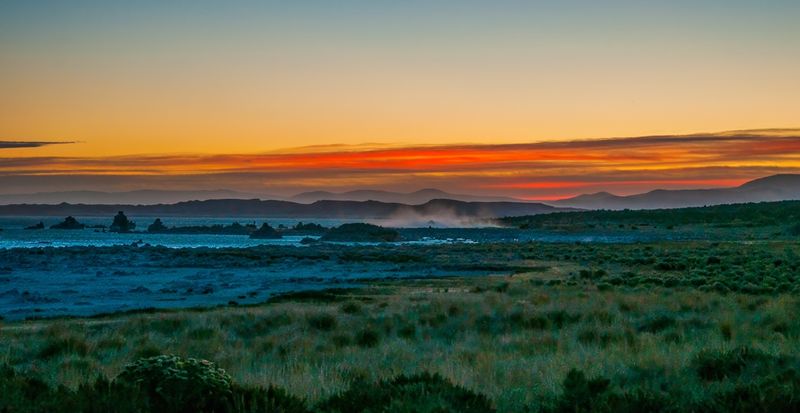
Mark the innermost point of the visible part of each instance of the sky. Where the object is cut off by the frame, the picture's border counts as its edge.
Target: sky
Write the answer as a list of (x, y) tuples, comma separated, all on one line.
[(532, 99)]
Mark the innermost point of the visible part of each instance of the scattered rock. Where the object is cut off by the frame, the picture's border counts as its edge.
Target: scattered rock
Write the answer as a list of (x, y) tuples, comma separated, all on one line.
[(40, 225), (157, 226), (121, 224), (361, 232), (266, 232), (69, 223)]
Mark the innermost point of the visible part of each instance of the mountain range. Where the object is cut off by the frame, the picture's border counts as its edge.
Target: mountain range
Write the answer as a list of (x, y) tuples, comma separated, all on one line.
[(412, 198), (144, 197), (445, 211), (782, 187), (152, 197), (772, 188)]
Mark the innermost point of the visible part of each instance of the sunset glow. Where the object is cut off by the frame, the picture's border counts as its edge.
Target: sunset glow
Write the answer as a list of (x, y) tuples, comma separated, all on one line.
[(544, 170)]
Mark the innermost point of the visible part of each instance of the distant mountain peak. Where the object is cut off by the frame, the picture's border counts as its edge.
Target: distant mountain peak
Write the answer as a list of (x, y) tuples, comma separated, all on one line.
[(596, 195), (417, 197), (773, 180), (782, 187), (429, 191)]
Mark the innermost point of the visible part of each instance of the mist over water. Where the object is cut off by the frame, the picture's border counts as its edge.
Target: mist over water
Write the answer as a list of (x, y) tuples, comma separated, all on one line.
[(442, 219)]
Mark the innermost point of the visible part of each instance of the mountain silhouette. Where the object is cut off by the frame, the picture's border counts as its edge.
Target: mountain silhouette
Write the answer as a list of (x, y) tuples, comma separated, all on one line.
[(412, 198), (144, 197), (781, 187), (434, 210)]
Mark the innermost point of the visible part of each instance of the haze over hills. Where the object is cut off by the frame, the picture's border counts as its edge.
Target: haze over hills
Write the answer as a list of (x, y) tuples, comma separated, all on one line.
[(782, 187), (412, 198), (441, 211), (152, 197), (772, 188)]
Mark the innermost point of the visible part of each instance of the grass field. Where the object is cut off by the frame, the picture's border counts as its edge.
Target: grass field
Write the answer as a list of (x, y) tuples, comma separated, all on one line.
[(689, 322)]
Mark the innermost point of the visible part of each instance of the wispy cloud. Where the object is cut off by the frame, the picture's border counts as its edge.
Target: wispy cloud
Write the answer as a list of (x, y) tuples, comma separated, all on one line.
[(28, 144), (543, 170)]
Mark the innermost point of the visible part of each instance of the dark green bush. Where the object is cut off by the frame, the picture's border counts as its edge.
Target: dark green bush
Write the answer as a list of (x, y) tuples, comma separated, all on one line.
[(368, 338), (582, 395), (64, 345), (20, 394), (322, 322), (408, 331), (269, 400), (146, 351), (421, 393), (201, 333), (656, 323), (351, 308), (713, 365), (175, 384), (341, 340), (769, 394)]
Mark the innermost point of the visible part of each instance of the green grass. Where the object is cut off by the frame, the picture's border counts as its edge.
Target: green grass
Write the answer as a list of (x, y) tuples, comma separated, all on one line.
[(694, 330)]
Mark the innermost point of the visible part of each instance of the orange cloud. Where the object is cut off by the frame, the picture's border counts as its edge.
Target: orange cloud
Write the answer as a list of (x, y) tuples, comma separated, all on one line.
[(541, 170)]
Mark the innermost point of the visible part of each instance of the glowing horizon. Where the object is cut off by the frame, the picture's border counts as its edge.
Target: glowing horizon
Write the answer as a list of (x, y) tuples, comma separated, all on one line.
[(542, 170)]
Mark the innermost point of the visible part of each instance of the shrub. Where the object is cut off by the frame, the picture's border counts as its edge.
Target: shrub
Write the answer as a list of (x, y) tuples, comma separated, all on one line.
[(201, 333), (656, 323), (166, 325), (146, 351), (351, 308), (713, 365), (726, 330), (269, 400), (322, 322), (21, 394), (175, 384), (367, 338), (420, 393), (587, 274), (341, 340), (408, 331), (603, 286), (768, 394), (64, 345), (596, 395), (561, 318)]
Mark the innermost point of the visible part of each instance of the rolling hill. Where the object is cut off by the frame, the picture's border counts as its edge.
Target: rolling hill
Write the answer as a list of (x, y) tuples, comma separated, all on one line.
[(435, 210), (783, 187), (412, 198)]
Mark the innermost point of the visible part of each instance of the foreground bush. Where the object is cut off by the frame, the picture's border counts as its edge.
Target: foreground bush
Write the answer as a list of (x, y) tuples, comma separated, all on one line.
[(718, 365), (581, 394), (740, 380), (162, 384), (20, 394), (175, 384), (735, 380), (421, 393)]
